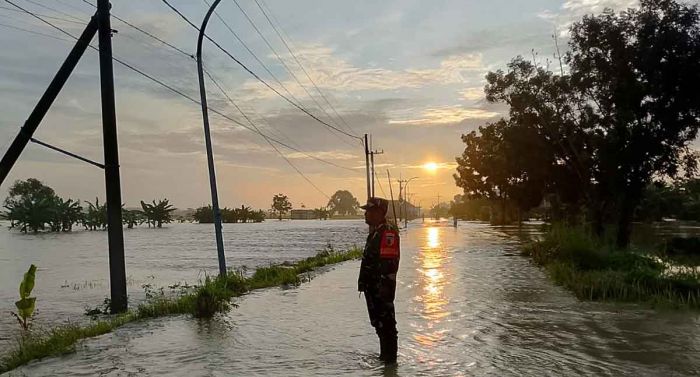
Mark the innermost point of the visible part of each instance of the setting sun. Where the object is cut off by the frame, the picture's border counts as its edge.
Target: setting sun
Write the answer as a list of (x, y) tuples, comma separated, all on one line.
[(430, 166)]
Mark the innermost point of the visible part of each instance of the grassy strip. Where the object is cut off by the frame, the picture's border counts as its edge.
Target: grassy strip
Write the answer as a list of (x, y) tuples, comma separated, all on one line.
[(594, 270), (203, 301)]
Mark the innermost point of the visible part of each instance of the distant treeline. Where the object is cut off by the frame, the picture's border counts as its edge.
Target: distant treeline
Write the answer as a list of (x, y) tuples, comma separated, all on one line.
[(660, 200), (205, 215)]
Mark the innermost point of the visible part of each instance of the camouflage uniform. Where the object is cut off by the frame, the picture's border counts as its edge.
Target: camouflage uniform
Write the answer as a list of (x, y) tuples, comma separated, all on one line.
[(378, 282)]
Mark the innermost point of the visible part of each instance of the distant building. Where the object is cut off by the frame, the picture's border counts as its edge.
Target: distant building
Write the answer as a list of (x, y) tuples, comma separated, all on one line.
[(303, 214)]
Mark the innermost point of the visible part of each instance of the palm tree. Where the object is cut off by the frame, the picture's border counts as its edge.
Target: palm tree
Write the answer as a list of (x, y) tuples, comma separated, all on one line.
[(65, 214), (228, 215), (244, 213), (131, 218), (96, 216), (28, 214), (158, 213), (257, 216)]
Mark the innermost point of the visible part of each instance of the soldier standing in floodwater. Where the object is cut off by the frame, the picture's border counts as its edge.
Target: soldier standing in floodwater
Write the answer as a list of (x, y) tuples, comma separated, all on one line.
[(380, 262)]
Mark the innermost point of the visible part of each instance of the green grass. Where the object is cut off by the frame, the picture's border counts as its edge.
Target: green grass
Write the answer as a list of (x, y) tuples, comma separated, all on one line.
[(212, 296), (594, 270)]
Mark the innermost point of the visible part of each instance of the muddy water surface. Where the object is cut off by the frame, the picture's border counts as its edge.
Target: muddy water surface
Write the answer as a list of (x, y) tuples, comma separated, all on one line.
[(467, 305)]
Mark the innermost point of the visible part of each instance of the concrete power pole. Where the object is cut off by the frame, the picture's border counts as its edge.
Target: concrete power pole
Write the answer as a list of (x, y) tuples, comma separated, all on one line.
[(99, 24)]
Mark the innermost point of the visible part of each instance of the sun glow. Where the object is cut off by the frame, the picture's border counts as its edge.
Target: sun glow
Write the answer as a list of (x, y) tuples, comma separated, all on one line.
[(430, 166)]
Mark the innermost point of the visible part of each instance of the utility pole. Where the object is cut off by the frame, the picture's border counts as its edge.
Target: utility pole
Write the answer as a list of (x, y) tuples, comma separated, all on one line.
[(371, 161), (369, 183), (115, 234), (99, 24), (403, 186), (210, 154)]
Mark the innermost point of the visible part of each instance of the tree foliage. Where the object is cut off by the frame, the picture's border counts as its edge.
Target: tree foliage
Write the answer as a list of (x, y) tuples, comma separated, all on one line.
[(33, 206), (158, 213), (281, 205), (343, 203), (244, 214), (591, 140)]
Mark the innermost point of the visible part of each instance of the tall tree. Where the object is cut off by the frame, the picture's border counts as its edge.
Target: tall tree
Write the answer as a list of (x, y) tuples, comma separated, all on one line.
[(343, 203), (30, 205), (281, 205), (641, 69), (624, 114)]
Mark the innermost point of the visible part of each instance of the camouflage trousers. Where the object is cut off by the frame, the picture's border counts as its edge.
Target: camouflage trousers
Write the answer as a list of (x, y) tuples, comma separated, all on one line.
[(381, 314)]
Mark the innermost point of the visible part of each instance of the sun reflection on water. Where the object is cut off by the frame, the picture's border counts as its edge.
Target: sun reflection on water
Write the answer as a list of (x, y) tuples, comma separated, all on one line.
[(432, 282)]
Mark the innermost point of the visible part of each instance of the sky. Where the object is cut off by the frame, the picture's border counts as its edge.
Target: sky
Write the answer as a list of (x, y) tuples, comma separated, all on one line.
[(410, 73)]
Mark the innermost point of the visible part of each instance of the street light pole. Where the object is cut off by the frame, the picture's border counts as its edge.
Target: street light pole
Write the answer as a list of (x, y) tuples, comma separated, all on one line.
[(207, 140)]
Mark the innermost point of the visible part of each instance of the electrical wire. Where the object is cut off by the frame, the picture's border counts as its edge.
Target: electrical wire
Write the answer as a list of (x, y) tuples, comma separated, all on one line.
[(235, 35), (274, 77), (267, 139), (146, 33), (257, 77), (284, 64), (216, 83), (34, 32), (178, 92), (279, 34), (54, 10), (279, 82), (47, 16)]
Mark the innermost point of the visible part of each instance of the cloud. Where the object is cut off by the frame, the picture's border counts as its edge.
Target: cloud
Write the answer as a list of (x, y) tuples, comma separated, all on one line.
[(331, 72), (446, 115), (574, 10), (326, 155), (473, 94)]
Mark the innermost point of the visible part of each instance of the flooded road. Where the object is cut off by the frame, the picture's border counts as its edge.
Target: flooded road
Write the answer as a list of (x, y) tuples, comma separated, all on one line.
[(467, 305)]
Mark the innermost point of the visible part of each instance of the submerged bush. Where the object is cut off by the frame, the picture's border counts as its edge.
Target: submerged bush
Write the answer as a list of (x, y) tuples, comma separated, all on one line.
[(595, 270)]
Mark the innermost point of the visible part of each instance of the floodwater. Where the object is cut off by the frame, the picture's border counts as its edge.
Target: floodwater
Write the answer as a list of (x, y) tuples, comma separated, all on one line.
[(467, 305), (73, 269)]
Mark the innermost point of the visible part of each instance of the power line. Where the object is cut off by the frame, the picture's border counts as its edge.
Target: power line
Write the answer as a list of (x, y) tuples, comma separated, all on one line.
[(33, 32), (284, 64), (54, 10), (235, 35), (381, 188), (267, 139), (216, 83), (255, 75), (47, 16), (274, 77), (277, 31), (265, 66), (178, 92), (147, 33)]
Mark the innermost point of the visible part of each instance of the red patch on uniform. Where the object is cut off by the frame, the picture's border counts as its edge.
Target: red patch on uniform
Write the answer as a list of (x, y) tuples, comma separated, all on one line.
[(389, 247)]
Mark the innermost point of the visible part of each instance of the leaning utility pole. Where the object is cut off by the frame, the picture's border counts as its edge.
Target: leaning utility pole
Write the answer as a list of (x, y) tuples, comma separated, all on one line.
[(207, 140), (99, 24)]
